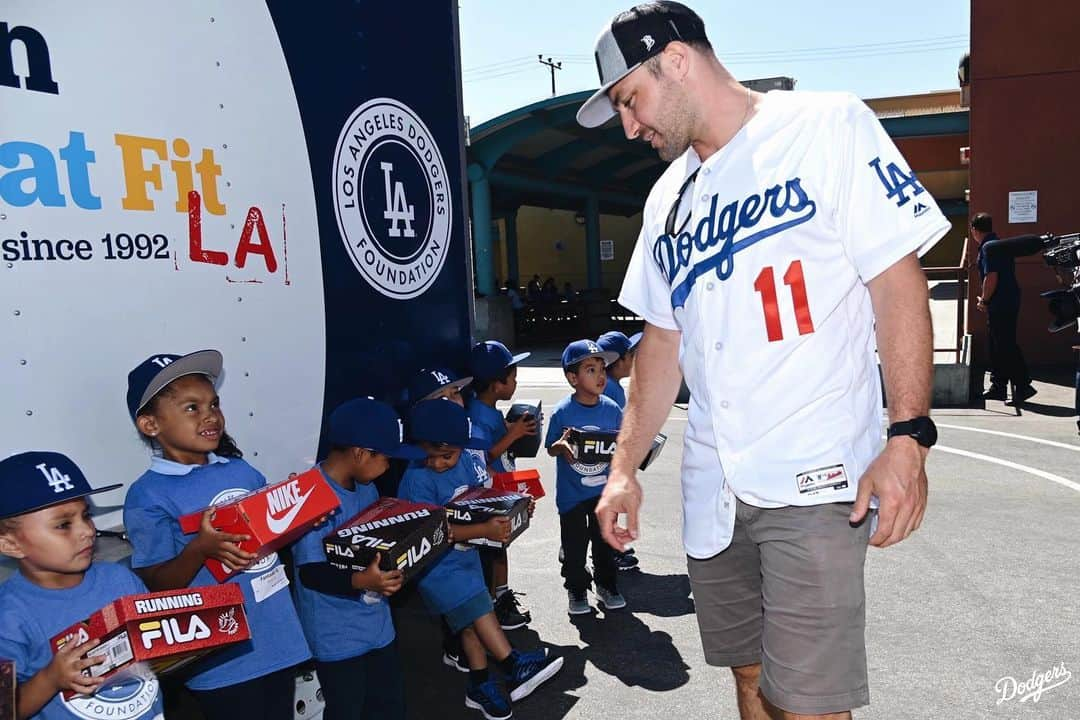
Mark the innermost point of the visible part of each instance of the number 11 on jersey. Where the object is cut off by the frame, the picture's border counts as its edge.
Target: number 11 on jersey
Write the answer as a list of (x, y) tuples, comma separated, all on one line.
[(766, 285)]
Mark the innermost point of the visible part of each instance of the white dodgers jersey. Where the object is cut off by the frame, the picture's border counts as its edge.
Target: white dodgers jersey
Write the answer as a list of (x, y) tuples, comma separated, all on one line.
[(764, 275)]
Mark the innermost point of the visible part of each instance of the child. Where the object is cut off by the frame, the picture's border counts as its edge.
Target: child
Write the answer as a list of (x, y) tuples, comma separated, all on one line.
[(616, 342), (624, 347), (346, 617), (494, 371), (578, 485), (174, 405), (454, 586), (436, 384), (45, 525)]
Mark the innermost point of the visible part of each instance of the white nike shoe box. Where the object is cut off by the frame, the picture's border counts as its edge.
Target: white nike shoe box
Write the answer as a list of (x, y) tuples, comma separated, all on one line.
[(272, 517)]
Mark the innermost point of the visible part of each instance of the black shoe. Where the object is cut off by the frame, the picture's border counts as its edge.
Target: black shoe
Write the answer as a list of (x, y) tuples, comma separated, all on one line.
[(509, 612), (996, 392), (490, 698), (625, 561), (1020, 394)]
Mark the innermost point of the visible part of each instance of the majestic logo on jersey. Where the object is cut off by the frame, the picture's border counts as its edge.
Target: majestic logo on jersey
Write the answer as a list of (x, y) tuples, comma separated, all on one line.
[(392, 198), (898, 183), (128, 695), (722, 233)]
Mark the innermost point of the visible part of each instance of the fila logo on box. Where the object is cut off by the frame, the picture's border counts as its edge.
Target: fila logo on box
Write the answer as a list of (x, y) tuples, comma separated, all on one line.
[(414, 554), (284, 499), (169, 630), (600, 447)]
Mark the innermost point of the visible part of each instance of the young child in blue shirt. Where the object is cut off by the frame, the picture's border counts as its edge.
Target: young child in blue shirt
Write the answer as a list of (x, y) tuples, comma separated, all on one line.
[(45, 525), (174, 404), (454, 586), (346, 616), (617, 342), (494, 370), (578, 485)]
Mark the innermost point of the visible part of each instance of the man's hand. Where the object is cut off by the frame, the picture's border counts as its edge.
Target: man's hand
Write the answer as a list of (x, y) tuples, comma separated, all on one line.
[(622, 494), (980, 305), (898, 478), (373, 578), (65, 672), (212, 543)]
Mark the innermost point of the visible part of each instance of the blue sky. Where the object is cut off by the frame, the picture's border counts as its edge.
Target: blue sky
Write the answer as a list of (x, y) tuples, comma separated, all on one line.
[(870, 47)]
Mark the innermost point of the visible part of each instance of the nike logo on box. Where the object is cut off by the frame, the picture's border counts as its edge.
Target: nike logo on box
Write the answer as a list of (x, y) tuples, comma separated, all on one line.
[(280, 525)]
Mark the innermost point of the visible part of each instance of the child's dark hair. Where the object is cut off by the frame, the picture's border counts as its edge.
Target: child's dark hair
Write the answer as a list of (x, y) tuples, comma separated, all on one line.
[(226, 445), (480, 386), (572, 369)]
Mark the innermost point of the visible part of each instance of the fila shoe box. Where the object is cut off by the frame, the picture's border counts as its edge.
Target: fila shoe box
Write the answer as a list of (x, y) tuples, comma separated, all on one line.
[(167, 630), (598, 446), (272, 517), (526, 445), (524, 482), (478, 505), (409, 536)]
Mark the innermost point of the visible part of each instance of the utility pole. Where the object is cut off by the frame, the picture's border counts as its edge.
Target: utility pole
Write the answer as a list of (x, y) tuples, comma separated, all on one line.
[(554, 66)]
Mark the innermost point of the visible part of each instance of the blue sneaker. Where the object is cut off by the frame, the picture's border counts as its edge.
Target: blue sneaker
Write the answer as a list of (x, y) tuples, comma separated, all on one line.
[(531, 670), (489, 698)]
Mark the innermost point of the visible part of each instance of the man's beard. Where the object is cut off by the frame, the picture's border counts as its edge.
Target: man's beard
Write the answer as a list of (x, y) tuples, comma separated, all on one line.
[(674, 121)]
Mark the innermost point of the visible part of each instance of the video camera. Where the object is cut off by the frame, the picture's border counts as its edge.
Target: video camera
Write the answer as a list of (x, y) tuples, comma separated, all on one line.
[(1062, 253)]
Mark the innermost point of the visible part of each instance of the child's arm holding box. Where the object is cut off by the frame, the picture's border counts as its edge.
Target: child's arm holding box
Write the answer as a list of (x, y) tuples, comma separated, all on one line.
[(524, 425), (63, 673), (557, 442)]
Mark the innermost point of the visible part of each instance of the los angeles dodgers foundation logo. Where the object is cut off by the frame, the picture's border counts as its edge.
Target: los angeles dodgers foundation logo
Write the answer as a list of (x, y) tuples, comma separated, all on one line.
[(128, 696), (391, 198)]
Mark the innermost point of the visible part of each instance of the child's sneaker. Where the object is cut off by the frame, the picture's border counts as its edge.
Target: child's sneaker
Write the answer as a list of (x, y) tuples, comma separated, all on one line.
[(509, 612), (625, 561), (531, 670), (610, 599), (490, 698), (579, 603)]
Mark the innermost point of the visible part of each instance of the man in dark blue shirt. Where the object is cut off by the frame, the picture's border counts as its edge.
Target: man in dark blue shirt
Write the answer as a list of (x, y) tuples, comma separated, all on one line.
[(1000, 300)]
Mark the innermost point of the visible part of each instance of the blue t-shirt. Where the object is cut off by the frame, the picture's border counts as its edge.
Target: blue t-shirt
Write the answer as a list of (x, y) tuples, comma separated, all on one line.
[(31, 615), (339, 627), (614, 390), (151, 511), (578, 481), (457, 576), (492, 427)]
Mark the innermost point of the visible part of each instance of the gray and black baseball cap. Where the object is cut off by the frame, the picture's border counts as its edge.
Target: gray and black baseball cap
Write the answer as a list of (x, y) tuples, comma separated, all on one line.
[(631, 38)]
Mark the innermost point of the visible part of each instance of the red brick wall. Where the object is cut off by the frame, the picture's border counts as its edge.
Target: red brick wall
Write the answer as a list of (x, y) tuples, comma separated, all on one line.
[(1025, 101)]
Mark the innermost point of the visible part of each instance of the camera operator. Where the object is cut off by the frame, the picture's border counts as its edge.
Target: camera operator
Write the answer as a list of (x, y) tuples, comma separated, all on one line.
[(1000, 300)]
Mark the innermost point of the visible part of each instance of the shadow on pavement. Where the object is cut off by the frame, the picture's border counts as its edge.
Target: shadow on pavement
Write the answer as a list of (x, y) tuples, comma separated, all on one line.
[(660, 595), (621, 645)]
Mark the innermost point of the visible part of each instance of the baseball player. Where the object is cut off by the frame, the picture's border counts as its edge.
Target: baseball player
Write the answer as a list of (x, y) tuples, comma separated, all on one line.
[(785, 227)]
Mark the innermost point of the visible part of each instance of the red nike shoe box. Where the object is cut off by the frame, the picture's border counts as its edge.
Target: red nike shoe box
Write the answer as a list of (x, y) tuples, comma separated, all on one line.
[(525, 482), (167, 630), (408, 536), (272, 517), (7, 689), (480, 504)]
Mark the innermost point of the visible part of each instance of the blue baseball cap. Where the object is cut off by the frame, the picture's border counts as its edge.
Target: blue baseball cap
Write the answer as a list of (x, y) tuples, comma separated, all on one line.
[(33, 480), (427, 382), (373, 425), (490, 359), (157, 371), (635, 339), (580, 350), (444, 423), (617, 342)]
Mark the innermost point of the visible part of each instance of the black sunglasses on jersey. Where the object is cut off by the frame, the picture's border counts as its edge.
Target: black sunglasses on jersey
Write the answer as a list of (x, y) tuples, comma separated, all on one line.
[(673, 214)]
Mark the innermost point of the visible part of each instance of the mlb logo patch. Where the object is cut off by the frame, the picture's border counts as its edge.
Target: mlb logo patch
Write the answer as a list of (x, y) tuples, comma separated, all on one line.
[(814, 482)]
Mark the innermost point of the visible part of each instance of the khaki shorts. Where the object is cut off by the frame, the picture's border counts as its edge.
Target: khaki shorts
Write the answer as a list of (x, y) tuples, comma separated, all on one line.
[(788, 593)]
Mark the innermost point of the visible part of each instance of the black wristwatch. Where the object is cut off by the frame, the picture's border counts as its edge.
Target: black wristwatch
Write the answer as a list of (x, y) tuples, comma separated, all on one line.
[(921, 428)]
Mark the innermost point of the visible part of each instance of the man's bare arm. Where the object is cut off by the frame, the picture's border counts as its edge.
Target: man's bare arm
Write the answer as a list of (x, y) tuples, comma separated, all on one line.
[(654, 382), (905, 347)]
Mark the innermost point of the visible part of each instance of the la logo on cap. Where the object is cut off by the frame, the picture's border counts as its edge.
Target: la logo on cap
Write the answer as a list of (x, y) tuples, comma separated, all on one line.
[(648, 41), (161, 361), (58, 481), (440, 377)]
